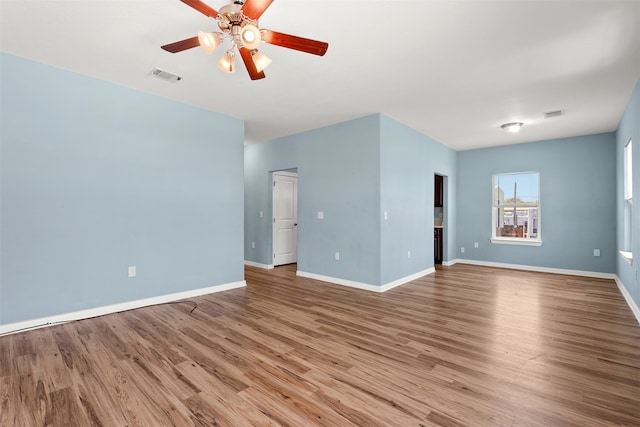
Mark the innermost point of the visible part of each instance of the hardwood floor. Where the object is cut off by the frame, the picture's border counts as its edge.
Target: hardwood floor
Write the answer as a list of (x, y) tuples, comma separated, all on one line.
[(464, 346)]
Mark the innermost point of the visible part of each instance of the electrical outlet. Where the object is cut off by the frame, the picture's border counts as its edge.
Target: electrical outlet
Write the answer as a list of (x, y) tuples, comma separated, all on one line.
[(462, 249), (476, 245), (253, 245), (386, 215), (596, 252), (408, 254), (261, 214), (131, 272), (337, 256), (320, 215)]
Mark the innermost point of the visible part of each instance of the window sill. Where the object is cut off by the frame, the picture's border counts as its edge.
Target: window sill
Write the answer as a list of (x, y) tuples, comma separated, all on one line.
[(627, 256), (515, 241)]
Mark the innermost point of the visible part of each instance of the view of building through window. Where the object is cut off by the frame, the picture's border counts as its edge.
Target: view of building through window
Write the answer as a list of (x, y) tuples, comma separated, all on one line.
[(516, 206)]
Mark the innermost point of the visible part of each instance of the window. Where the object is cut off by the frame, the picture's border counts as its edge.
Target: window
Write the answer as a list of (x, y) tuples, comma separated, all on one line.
[(628, 171), (516, 209), (628, 202)]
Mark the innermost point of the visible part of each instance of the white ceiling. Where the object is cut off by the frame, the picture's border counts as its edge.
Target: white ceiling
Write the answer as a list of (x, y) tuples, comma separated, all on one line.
[(452, 70)]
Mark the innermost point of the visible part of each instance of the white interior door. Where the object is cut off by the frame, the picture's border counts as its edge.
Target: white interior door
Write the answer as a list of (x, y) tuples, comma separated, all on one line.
[(285, 218)]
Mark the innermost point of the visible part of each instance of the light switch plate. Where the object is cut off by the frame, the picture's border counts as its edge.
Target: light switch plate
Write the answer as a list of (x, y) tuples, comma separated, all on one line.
[(320, 215)]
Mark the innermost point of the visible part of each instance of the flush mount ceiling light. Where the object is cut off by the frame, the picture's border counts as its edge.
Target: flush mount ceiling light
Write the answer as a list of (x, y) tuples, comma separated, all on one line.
[(238, 23), (512, 127)]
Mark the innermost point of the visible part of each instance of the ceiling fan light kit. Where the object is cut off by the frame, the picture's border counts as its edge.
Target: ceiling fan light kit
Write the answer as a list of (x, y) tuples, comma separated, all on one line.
[(210, 41), (238, 22), (227, 62), (250, 36), (260, 60)]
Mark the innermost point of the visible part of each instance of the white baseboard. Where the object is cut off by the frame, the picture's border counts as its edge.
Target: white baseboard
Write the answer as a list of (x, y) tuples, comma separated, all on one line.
[(594, 274), (407, 279), (366, 286), (449, 263), (343, 282), (627, 297), (257, 264), (108, 309)]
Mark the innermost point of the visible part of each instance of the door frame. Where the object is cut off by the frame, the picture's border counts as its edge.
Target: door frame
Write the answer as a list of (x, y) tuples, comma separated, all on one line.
[(445, 212), (286, 173)]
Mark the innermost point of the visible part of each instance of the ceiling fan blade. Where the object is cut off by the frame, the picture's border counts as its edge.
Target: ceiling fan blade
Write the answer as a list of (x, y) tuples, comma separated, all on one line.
[(251, 67), (254, 9), (182, 45), (294, 42), (201, 7)]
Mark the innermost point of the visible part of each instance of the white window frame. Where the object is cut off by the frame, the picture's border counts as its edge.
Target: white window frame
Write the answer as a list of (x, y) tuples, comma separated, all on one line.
[(501, 240), (628, 172), (627, 184)]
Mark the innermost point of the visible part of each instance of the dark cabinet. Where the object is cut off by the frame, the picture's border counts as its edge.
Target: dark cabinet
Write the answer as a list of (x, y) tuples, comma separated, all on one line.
[(437, 245), (438, 200)]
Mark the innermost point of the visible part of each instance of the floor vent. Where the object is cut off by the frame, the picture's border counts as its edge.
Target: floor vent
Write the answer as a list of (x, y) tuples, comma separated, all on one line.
[(555, 113), (165, 75)]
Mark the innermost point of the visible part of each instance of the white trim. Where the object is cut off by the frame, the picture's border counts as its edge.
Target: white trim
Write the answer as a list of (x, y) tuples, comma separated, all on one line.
[(627, 256), (627, 171), (285, 173), (274, 229), (108, 309), (515, 241), (343, 282), (449, 263), (627, 297), (257, 264), (595, 274), (407, 279), (366, 286)]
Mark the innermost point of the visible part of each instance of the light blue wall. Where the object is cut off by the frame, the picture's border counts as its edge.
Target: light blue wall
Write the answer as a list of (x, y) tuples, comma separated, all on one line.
[(629, 128), (338, 174), (353, 172), (409, 161), (577, 187), (96, 177), (259, 161)]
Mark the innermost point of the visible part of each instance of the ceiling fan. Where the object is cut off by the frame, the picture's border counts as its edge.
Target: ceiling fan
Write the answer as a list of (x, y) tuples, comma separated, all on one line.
[(238, 21)]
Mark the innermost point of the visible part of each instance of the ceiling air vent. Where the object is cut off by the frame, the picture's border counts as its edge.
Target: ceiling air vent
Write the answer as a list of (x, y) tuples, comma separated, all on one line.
[(556, 113), (165, 75)]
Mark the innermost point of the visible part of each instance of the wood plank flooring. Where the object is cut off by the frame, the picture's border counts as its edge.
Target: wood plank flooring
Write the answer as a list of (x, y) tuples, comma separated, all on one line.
[(466, 346)]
